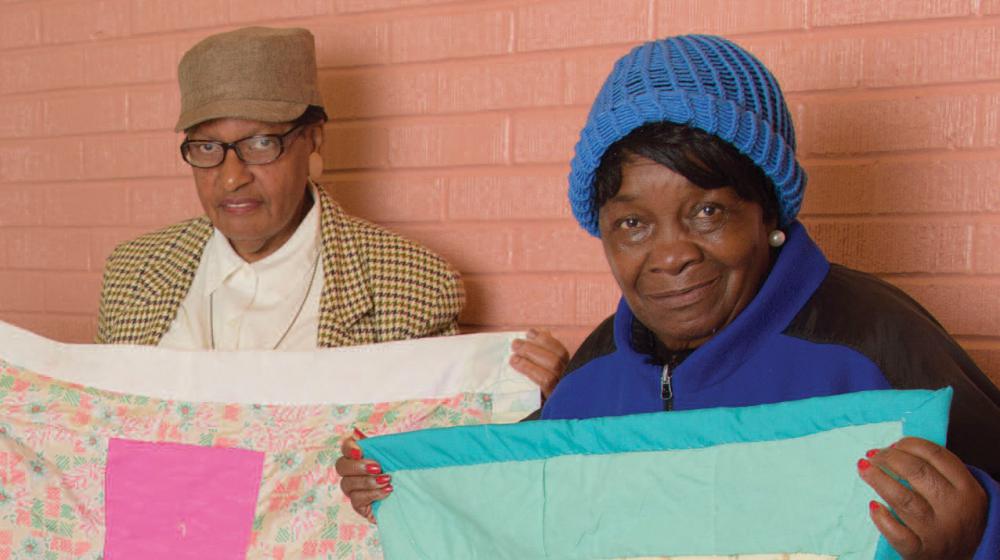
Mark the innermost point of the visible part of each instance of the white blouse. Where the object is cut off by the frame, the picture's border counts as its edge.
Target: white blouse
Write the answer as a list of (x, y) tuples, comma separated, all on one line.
[(272, 303)]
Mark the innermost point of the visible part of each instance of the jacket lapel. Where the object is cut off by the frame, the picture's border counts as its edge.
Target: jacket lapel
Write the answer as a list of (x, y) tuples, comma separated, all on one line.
[(346, 297), (165, 279)]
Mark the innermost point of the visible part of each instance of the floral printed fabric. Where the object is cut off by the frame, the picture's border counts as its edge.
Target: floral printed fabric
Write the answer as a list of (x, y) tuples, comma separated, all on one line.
[(53, 449)]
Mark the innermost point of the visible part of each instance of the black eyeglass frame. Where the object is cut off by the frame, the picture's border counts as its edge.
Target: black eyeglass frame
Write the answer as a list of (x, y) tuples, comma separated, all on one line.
[(226, 146)]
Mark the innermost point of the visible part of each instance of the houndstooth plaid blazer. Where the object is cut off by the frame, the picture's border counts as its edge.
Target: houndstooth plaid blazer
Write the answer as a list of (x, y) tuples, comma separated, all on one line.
[(377, 286)]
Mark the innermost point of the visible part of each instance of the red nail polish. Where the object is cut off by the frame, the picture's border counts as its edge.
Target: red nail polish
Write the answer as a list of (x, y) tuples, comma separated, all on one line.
[(387, 489), (358, 434), (863, 465), (372, 468), (873, 506), (871, 453), (382, 479), (354, 453)]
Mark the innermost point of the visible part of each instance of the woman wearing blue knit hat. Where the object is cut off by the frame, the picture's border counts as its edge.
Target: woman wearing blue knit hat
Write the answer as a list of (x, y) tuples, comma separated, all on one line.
[(686, 170)]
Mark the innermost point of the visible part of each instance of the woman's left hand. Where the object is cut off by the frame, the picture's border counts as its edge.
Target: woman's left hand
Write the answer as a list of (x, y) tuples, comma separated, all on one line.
[(541, 358), (943, 513)]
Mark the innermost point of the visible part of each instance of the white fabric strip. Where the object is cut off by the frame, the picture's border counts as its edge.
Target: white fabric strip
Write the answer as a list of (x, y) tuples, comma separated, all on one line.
[(394, 371)]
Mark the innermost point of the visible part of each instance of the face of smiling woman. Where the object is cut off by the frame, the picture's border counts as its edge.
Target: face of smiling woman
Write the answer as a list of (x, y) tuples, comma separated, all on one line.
[(257, 207), (687, 259)]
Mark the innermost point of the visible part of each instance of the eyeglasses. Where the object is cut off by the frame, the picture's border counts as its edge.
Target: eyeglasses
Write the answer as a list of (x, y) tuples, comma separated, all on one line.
[(252, 150)]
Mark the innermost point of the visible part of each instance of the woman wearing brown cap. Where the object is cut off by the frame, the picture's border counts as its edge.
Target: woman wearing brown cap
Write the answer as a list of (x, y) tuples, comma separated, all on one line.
[(274, 263)]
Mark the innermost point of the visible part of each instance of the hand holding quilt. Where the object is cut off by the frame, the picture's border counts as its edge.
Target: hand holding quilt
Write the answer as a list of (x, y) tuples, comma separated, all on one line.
[(941, 509)]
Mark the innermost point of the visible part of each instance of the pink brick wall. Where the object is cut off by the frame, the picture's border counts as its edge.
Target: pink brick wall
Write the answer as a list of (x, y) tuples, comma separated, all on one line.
[(455, 120)]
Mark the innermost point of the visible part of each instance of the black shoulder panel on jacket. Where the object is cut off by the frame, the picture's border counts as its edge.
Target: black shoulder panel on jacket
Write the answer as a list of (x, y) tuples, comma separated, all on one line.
[(912, 349), (600, 342)]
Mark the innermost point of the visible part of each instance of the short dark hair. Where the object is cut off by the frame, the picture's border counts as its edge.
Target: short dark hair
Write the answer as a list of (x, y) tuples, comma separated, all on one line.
[(702, 158), (312, 114)]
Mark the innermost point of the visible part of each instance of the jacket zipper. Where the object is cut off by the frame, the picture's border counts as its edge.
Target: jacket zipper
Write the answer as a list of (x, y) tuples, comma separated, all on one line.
[(667, 388)]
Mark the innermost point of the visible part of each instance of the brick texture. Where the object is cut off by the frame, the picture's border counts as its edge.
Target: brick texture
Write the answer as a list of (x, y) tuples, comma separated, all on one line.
[(555, 25), (47, 249), (133, 155), (354, 6), (478, 250), (19, 291), (517, 197), (160, 202), (85, 20), (351, 45), (454, 121), (965, 307), (132, 61), (564, 248), (86, 204), (847, 12), (596, 297), (152, 16), (449, 142), (986, 254), (547, 137), (72, 293), (929, 57), (415, 198), (20, 25), (728, 16), (82, 113), (20, 117), (908, 122), (475, 33), (42, 69), (793, 61), (249, 13), (894, 247), (903, 186), (21, 205), (153, 107)]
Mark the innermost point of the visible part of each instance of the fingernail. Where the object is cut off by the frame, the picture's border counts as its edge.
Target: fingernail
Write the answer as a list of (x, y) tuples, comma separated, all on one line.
[(871, 453), (354, 453), (532, 333), (384, 479), (372, 468), (387, 489), (873, 506), (358, 434), (863, 465)]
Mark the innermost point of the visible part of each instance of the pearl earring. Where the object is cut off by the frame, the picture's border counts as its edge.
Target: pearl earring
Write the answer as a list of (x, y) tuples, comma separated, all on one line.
[(776, 238)]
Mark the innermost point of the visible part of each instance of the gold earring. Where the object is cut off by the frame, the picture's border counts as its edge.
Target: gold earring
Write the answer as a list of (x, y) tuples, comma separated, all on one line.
[(315, 166)]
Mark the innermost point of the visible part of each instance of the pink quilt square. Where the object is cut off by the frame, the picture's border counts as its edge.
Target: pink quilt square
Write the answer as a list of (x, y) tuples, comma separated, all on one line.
[(168, 500)]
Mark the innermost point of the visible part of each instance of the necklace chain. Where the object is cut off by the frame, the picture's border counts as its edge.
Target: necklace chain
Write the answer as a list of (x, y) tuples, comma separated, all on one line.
[(288, 329)]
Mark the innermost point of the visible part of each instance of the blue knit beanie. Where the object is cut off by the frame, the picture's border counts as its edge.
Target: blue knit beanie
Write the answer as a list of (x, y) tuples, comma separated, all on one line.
[(701, 81)]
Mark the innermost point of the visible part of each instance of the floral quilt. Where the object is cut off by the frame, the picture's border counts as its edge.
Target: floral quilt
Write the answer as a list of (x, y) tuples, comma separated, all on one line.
[(90, 473)]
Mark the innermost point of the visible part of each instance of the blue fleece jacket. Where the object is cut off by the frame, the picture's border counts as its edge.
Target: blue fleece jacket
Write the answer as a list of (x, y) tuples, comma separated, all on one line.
[(756, 359)]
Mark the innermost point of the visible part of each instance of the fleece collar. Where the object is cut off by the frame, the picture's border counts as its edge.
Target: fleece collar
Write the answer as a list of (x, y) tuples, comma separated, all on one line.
[(795, 276)]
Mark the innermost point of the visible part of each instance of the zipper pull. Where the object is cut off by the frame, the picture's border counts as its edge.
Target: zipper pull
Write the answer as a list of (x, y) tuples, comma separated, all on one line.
[(666, 388)]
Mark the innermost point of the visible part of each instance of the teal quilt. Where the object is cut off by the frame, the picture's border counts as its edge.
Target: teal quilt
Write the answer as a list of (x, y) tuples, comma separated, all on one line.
[(778, 480)]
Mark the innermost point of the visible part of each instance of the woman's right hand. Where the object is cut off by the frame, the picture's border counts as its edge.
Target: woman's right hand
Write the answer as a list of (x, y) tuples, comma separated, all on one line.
[(362, 481)]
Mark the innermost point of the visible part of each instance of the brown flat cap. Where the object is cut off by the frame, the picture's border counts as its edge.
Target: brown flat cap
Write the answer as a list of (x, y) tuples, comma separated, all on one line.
[(254, 73)]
